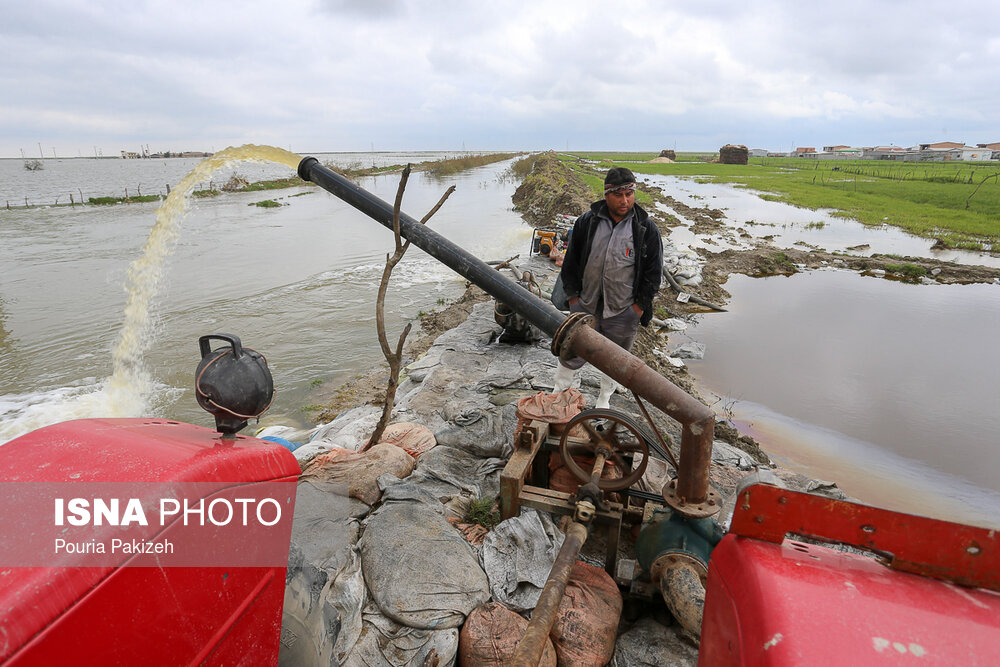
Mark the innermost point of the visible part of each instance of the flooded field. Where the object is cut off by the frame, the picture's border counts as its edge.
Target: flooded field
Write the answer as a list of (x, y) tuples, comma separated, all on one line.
[(888, 388), (297, 283), (790, 226)]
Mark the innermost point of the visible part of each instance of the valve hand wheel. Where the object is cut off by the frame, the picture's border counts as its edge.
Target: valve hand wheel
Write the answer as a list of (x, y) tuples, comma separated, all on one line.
[(612, 433)]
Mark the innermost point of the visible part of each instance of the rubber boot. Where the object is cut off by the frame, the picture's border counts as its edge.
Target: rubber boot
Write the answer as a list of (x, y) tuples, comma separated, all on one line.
[(563, 378), (608, 387)]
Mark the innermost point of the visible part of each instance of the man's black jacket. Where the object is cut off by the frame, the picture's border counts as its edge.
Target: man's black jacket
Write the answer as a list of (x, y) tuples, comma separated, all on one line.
[(648, 256)]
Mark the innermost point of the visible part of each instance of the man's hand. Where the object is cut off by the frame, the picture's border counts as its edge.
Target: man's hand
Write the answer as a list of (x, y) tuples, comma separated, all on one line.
[(638, 309)]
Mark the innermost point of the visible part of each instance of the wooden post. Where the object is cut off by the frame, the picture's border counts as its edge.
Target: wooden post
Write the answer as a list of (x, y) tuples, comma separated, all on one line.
[(71, 202)]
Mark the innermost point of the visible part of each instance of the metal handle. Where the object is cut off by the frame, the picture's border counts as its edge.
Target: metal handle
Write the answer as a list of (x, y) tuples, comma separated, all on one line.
[(232, 339)]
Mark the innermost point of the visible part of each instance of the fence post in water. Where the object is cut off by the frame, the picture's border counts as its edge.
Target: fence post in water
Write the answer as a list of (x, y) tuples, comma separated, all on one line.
[(168, 189), (71, 202)]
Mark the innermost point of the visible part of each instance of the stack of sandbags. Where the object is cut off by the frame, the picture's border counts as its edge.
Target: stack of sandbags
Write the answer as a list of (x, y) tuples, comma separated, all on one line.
[(733, 154)]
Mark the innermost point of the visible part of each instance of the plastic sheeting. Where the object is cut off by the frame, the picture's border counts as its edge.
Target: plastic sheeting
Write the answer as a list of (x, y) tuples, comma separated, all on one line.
[(480, 432), (324, 590), (387, 643), (518, 555)]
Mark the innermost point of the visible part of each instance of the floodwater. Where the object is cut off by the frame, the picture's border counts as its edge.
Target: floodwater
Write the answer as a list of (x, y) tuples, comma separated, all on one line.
[(297, 283), (887, 388), (792, 226)]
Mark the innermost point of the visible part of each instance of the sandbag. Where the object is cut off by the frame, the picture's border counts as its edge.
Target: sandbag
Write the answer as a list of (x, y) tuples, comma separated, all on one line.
[(449, 470), (587, 620), (518, 555), (420, 570), (551, 408), (387, 643), (360, 470), (649, 643), (478, 431), (414, 439), (490, 636)]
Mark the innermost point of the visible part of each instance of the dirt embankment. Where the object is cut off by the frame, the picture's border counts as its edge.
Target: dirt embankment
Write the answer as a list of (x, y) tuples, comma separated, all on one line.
[(550, 189)]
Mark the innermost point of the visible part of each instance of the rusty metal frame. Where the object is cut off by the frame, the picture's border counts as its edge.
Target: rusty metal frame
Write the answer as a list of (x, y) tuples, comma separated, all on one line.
[(516, 491)]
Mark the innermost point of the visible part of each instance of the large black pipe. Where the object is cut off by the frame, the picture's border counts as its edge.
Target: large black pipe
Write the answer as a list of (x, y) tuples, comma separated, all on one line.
[(543, 315)]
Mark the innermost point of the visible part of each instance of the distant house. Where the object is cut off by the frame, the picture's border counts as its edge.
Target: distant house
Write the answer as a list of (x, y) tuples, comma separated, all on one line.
[(995, 147), (885, 153), (840, 152), (805, 151), (976, 154), (758, 152), (946, 151)]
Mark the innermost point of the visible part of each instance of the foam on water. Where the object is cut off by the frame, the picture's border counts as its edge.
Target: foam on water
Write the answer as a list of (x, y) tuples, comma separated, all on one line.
[(130, 390)]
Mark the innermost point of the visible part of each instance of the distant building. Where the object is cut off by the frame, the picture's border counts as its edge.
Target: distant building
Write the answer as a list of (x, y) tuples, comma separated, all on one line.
[(947, 151), (805, 151), (941, 146), (884, 153), (995, 147), (758, 152)]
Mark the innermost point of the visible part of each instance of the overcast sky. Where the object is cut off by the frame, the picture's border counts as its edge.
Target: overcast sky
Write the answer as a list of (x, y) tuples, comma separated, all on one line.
[(348, 75)]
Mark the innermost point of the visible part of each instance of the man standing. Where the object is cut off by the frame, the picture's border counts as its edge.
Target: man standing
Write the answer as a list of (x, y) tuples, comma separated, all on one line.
[(612, 270)]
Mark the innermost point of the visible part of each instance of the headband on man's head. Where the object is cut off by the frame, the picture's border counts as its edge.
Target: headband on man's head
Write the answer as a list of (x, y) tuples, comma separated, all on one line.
[(624, 187), (619, 179)]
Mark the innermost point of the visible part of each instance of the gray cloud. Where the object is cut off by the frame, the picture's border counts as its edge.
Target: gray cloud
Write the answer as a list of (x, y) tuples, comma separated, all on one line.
[(343, 75)]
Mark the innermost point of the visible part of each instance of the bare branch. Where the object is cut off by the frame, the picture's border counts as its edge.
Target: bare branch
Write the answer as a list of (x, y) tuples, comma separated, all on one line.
[(396, 206), (438, 205), (394, 358)]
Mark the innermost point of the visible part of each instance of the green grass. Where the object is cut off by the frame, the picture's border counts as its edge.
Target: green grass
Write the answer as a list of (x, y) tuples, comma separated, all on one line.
[(481, 511), (910, 272), (266, 203), (277, 184), (109, 201), (925, 198)]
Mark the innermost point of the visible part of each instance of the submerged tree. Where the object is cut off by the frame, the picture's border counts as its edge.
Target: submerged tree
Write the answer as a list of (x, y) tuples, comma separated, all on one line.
[(394, 357)]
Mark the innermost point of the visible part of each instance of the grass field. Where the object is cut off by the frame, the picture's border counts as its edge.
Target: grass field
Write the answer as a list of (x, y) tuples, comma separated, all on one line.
[(957, 203)]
